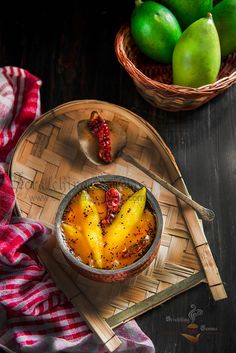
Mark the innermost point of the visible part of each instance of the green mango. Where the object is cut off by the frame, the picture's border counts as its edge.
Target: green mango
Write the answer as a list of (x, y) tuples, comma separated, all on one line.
[(224, 16), (188, 11), (155, 30), (197, 55)]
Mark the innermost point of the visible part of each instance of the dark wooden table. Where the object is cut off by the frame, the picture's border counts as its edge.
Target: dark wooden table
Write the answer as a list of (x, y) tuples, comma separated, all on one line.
[(71, 48)]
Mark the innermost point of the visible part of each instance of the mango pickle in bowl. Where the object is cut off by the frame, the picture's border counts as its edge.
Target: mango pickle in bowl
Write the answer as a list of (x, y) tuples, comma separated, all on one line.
[(109, 227)]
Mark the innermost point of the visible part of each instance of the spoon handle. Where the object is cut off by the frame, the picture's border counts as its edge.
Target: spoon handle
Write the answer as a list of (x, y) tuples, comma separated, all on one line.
[(206, 214)]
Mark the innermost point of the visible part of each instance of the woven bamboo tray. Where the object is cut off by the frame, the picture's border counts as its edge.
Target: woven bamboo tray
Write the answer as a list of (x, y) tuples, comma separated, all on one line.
[(47, 163)]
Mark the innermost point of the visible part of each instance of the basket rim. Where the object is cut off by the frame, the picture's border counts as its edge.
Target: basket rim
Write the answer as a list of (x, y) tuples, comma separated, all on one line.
[(139, 76)]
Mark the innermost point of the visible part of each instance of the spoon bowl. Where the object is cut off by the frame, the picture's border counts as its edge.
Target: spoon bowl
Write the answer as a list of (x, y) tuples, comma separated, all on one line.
[(89, 144)]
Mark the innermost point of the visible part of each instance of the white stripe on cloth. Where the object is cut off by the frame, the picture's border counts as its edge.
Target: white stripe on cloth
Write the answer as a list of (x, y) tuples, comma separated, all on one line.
[(6, 101), (9, 117), (21, 88), (59, 314), (22, 298), (18, 231), (26, 273)]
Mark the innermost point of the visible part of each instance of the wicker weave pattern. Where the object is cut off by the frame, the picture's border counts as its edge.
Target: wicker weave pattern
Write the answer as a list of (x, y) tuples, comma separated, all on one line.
[(46, 165), (153, 81)]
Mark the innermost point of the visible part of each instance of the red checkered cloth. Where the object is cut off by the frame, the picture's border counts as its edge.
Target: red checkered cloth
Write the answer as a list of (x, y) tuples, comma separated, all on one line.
[(34, 315)]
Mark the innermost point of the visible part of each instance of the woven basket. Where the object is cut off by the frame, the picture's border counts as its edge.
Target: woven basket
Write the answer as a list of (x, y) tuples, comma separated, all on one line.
[(154, 81)]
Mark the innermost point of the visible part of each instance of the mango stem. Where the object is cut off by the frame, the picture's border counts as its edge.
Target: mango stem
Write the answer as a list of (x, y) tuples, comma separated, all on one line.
[(138, 2)]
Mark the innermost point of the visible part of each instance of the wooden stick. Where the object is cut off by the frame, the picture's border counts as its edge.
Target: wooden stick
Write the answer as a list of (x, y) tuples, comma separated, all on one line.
[(155, 299), (203, 249), (86, 309)]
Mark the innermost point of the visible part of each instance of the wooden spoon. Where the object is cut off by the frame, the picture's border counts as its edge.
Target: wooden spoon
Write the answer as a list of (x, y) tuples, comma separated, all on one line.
[(89, 145)]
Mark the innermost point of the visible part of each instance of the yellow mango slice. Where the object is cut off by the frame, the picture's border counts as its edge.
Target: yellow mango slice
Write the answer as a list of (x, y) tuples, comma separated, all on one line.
[(144, 230), (90, 223), (77, 242), (123, 225), (147, 225), (98, 197), (73, 214)]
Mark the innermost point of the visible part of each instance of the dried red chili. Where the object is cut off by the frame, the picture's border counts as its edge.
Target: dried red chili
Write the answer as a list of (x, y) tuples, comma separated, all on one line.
[(113, 200), (99, 127)]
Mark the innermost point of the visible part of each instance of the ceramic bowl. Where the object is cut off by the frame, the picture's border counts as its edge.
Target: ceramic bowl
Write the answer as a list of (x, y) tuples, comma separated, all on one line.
[(104, 275)]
